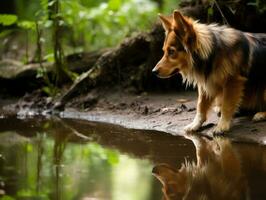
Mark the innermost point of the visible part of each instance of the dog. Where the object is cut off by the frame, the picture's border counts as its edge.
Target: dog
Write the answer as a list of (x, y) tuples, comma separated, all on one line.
[(217, 174), (228, 67)]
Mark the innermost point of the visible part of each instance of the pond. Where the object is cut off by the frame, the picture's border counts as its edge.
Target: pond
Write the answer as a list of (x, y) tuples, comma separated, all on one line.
[(53, 158)]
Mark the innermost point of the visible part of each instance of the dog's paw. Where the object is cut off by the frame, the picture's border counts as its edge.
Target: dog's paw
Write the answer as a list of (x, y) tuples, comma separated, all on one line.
[(260, 116), (221, 129), (217, 109), (192, 127)]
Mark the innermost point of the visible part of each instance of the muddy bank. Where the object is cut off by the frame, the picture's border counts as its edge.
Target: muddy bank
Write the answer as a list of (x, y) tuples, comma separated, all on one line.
[(168, 112)]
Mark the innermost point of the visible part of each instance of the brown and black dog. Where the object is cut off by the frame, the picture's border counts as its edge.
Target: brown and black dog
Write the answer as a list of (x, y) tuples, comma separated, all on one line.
[(228, 67)]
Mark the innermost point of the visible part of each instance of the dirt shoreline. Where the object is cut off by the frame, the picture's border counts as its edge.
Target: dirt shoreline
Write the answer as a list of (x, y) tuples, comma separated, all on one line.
[(168, 113)]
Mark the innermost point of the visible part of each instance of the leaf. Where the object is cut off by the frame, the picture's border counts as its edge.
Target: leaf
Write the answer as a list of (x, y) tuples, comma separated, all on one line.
[(51, 3), (42, 40), (114, 4), (29, 147), (40, 72), (47, 90), (210, 11), (61, 22), (27, 24), (46, 125), (7, 19), (49, 57), (44, 4), (50, 90), (48, 23), (112, 157)]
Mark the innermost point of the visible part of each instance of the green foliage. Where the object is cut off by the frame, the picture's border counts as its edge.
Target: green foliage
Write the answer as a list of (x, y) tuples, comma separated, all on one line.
[(31, 194), (83, 25), (170, 5), (5, 33), (107, 23), (115, 4), (29, 147), (61, 165), (26, 9), (210, 11), (50, 90), (6, 197), (7, 19), (49, 57), (111, 156), (27, 25), (91, 24), (259, 4)]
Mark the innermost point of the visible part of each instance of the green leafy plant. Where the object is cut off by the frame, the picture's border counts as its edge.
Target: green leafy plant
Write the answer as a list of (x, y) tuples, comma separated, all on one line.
[(107, 23), (7, 19)]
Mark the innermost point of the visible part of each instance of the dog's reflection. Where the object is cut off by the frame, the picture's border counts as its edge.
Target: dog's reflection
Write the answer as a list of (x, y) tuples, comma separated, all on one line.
[(217, 174)]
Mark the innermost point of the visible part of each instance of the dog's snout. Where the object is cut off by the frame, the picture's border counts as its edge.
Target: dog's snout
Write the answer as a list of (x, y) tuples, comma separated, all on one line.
[(155, 170), (155, 71)]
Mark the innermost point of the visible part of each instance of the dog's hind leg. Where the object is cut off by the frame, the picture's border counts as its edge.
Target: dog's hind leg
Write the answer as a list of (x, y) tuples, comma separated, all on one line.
[(217, 105), (232, 96), (259, 116)]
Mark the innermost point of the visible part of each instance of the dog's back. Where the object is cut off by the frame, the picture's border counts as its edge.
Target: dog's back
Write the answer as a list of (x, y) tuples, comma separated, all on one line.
[(255, 94)]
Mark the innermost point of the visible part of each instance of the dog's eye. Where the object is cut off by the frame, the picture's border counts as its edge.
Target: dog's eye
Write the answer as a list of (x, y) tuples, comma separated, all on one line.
[(171, 51)]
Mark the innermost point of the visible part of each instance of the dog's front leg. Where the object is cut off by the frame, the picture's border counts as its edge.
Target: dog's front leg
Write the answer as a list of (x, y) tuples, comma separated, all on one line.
[(203, 105), (231, 99)]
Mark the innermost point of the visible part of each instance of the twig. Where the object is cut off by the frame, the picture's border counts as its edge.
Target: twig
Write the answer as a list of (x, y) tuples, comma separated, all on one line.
[(39, 52), (217, 5), (73, 131)]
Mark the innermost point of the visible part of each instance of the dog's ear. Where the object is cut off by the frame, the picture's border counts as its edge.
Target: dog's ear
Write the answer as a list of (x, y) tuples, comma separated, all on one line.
[(184, 29), (180, 22), (166, 22), (170, 178)]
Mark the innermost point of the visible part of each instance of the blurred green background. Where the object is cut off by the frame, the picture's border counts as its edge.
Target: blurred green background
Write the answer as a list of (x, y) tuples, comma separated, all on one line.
[(86, 24)]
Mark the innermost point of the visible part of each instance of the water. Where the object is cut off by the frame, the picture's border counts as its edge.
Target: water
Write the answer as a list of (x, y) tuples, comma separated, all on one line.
[(73, 159)]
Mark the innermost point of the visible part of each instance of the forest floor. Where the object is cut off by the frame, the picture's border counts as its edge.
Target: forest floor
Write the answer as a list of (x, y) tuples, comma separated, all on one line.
[(168, 112)]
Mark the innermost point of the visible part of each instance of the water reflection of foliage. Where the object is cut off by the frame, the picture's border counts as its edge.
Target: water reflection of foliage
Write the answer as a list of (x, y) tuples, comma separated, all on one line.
[(45, 168)]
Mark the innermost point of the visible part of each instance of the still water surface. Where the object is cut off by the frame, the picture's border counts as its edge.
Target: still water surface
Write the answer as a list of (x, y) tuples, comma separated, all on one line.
[(72, 159)]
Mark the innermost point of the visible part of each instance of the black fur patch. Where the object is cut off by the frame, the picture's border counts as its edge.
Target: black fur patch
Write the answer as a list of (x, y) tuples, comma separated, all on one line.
[(205, 66), (243, 45), (258, 65), (221, 50)]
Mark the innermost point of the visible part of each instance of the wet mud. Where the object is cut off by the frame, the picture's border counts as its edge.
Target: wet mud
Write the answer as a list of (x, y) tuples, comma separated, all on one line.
[(169, 113)]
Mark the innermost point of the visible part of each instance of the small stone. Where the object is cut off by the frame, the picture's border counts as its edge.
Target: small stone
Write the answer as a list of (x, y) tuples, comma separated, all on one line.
[(145, 110)]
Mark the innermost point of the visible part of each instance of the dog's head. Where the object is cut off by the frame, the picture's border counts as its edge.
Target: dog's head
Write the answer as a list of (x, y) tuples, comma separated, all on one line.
[(179, 42), (173, 181)]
